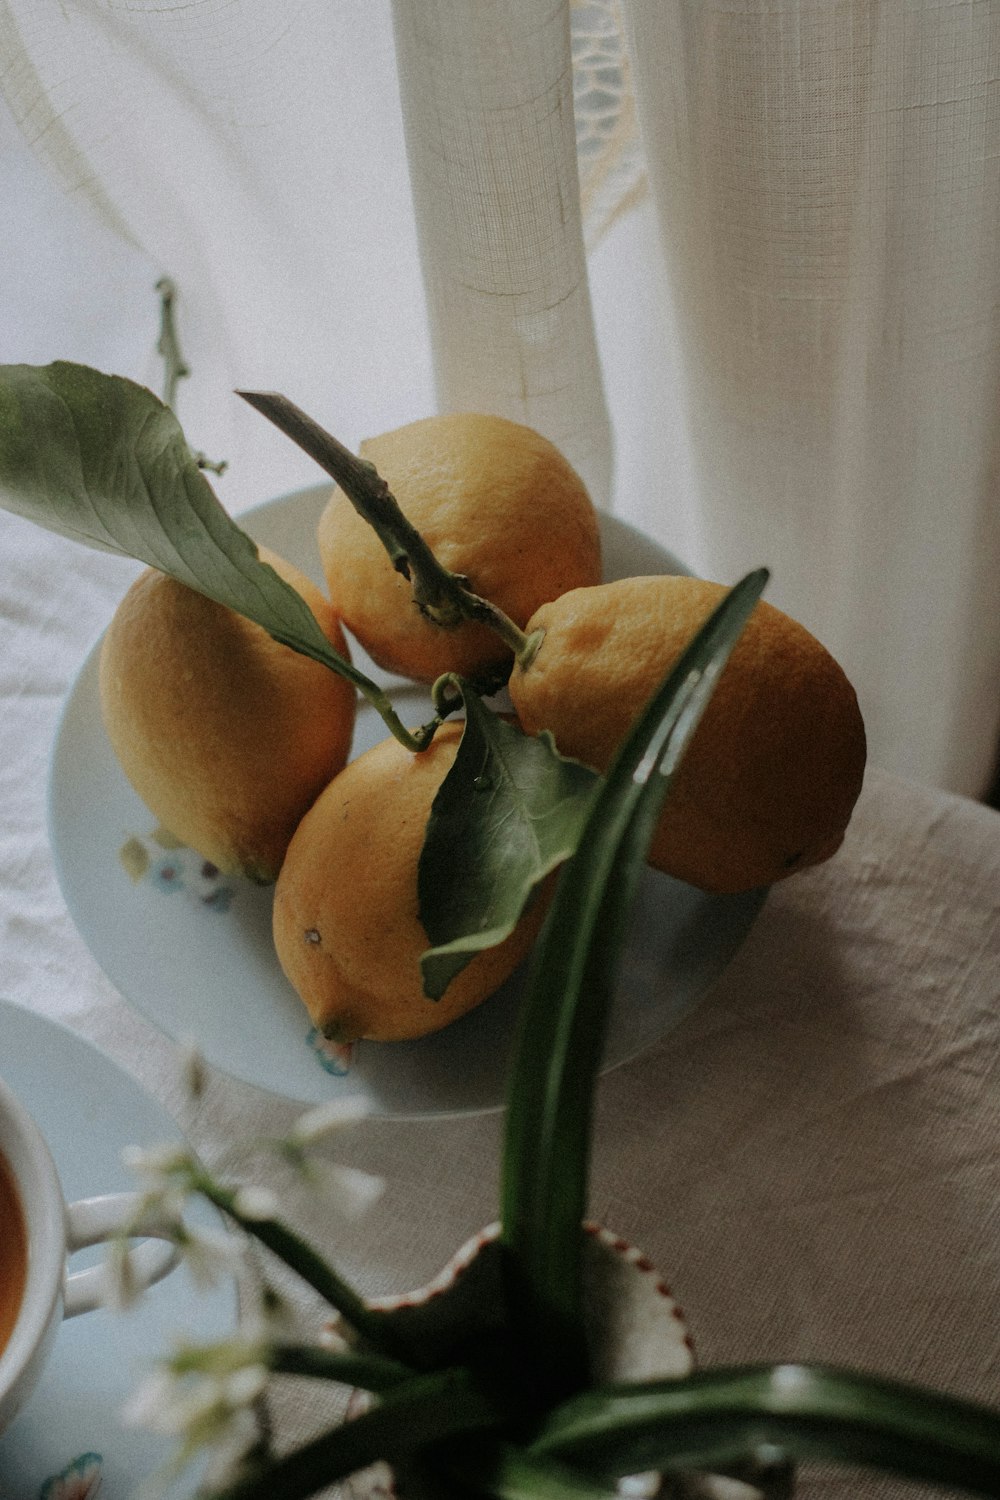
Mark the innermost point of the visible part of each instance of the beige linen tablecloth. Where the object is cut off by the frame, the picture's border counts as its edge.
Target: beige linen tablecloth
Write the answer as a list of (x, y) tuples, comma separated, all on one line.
[(812, 1159)]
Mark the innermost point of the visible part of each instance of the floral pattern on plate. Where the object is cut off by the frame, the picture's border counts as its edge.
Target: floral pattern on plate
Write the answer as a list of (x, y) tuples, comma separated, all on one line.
[(170, 867), (80, 1480), (334, 1057), (173, 868)]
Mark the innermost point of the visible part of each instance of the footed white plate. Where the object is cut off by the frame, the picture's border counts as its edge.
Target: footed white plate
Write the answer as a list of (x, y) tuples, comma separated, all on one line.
[(192, 950)]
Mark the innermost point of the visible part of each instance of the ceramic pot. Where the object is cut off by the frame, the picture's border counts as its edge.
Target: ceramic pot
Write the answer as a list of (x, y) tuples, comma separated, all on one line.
[(634, 1329)]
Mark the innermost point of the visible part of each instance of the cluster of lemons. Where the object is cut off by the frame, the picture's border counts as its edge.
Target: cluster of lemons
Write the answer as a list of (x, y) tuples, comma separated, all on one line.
[(241, 746)]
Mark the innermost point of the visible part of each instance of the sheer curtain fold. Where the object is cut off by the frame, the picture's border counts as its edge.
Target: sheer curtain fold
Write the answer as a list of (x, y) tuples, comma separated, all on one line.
[(378, 210), (487, 96), (827, 182), (255, 155)]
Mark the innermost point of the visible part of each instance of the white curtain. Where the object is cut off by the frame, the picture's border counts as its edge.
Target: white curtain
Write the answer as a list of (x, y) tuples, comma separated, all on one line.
[(737, 257), (827, 180)]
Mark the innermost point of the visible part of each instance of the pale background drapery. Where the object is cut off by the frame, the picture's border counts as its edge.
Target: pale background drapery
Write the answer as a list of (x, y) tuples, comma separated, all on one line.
[(790, 302), (767, 328)]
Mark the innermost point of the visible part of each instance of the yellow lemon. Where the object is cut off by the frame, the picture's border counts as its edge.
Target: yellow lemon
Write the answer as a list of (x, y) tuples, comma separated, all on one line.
[(495, 502), (771, 776), (346, 924), (227, 736)]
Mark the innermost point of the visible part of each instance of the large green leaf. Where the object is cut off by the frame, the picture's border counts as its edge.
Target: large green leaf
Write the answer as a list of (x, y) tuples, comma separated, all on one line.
[(718, 1417), (424, 1410), (486, 1466), (508, 813), (103, 461), (563, 1019)]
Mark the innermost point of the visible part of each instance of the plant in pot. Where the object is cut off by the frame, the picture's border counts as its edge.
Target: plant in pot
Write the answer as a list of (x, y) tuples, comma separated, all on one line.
[(490, 1382), (508, 1377)]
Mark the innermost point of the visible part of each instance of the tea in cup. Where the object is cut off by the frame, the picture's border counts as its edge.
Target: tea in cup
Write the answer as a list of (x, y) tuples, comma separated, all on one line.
[(38, 1232), (13, 1252)]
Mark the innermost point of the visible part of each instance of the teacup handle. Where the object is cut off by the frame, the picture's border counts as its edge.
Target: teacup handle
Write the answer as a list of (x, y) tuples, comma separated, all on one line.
[(90, 1221)]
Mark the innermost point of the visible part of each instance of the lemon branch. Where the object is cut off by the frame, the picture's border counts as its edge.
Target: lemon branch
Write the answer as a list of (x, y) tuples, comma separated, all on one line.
[(168, 345), (443, 597), (175, 366)]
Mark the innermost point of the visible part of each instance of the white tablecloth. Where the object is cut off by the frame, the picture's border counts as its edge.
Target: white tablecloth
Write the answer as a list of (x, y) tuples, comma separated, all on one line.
[(812, 1158)]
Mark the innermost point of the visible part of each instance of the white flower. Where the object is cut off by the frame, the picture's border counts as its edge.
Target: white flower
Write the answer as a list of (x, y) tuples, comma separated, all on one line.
[(158, 1209), (153, 1404), (157, 1166), (165, 1177), (351, 1191), (194, 1070), (256, 1203), (204, 1397), (211, 1255), (122, 1288), (245, 1386), (323, 1119), (228, 1449)]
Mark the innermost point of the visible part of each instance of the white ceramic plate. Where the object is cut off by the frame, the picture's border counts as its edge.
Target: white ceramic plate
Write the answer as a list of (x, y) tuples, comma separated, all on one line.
[(69, 1442), (193, 951)]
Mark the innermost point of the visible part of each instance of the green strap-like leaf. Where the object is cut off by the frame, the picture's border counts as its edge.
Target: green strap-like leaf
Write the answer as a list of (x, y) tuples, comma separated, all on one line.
[(717, 1417), (306, 1262), (426, 1410), (507, 814), (369, 1371), (563, 1018), (509, 1473)]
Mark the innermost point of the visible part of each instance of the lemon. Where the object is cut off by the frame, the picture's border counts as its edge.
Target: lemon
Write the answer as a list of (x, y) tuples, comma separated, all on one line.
[(771, 776), (496, 503), (227, 736), (346, 925)]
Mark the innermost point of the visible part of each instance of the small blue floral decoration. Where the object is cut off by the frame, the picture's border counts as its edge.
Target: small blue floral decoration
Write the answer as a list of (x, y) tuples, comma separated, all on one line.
[(170, 867), (334, 1057), (80, 1480), (167, 873)]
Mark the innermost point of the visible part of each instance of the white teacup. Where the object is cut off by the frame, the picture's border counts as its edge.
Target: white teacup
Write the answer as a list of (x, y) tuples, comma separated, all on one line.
[(54, 1229)]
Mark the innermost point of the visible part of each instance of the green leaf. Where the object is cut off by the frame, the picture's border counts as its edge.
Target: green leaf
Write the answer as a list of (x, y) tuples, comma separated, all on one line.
[(372, 1372), (101, 460), (809, 1412), (424, 1411), (507, 814), (488, 1467), (304, 1260), (563, 1018)]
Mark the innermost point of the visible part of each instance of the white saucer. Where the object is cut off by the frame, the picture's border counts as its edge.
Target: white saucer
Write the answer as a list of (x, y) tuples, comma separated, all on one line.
[(193, 951), (69, 1435)]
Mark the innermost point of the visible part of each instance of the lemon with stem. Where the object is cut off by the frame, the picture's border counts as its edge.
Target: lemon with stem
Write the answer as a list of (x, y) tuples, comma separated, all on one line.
[(346, 918), (500, 508), (226, 735), (774, 770)]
